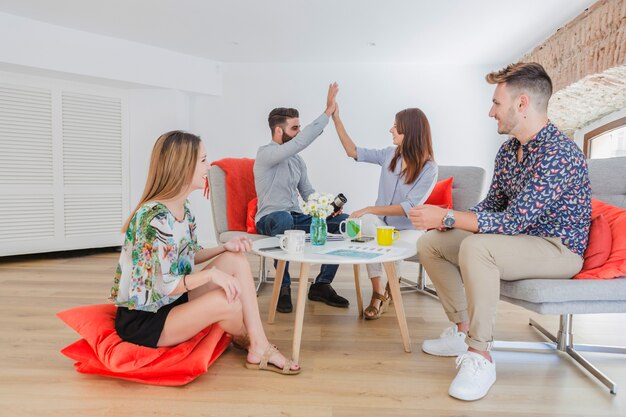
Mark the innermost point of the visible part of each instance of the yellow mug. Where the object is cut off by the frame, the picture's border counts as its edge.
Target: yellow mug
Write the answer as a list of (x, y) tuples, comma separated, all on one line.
[(386, 235)]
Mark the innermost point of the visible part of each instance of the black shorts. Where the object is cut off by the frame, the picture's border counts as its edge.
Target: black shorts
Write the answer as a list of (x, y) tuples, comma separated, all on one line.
[(144, 327)]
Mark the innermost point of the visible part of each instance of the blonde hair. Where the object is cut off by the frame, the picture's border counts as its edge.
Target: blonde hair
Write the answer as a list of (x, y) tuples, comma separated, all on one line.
[(172, 164)]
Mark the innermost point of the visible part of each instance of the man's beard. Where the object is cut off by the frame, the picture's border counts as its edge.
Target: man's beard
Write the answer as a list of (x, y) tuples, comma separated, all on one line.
[(286, 137), (507, 123)]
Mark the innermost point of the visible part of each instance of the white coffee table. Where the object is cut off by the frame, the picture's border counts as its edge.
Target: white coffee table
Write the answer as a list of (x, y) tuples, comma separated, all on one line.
[(312, 255)]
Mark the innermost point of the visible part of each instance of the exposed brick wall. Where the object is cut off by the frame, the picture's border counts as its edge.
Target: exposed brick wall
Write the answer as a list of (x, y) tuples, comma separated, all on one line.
[(588, 100), (586, 60), (591, 43)]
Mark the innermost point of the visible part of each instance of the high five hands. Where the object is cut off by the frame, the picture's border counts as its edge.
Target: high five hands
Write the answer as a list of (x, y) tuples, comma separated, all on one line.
[(333, 89)]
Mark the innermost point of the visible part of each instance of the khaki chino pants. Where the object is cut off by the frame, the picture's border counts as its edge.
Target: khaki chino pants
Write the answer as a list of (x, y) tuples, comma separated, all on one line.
[(456, 260)]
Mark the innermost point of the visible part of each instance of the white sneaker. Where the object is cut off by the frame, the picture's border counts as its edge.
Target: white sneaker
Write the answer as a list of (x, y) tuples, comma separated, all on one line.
[(476, 375), (450, 343)]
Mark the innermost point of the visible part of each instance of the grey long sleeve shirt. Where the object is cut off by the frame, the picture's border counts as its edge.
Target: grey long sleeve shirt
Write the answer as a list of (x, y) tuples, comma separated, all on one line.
[(280, 173)]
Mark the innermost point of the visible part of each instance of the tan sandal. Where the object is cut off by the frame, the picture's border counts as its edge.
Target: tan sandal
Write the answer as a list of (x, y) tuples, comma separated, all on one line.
[(388, 292), (372, 312), (266, 365)]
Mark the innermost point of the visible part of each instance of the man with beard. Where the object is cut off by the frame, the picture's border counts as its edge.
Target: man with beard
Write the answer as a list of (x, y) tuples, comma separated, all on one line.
[(534, 223), (279, 175)]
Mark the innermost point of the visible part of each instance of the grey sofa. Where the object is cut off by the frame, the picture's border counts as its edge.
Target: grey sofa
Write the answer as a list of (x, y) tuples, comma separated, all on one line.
[(569, 297)]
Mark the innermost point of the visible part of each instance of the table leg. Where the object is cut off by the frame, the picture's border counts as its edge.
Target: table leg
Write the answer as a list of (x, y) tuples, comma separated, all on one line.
[(394, 286), (280, 271), (301, 303), (357, 286)]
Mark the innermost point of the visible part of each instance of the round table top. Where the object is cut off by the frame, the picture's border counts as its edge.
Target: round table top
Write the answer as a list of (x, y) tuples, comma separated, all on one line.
[(341, 252)]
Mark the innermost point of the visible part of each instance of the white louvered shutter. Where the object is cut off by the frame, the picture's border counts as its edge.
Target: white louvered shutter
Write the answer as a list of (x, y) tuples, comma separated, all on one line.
[(63, 179), (92, 164), (26, 164)]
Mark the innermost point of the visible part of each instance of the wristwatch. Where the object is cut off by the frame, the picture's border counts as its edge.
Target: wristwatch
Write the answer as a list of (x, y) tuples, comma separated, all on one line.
[(448, 220)]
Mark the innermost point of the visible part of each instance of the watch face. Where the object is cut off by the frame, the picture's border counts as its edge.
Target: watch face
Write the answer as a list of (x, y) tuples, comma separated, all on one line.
[(448, 221)]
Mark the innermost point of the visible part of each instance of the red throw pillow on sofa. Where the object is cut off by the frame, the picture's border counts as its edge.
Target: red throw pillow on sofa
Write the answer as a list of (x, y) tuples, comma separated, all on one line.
[(615, 265), (599, 246), (250, 223), (102, 352), (442, 194)]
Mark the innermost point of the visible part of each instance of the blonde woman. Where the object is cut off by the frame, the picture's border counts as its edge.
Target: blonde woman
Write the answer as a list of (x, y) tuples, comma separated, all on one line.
[(162, 300), (407, 177)]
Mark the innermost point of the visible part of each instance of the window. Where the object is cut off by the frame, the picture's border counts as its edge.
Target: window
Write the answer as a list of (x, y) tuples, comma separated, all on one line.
[(607, 141)]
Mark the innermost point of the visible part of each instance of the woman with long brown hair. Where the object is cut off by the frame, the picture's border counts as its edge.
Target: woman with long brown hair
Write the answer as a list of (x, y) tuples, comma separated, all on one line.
[(407, 177), (161, 299)]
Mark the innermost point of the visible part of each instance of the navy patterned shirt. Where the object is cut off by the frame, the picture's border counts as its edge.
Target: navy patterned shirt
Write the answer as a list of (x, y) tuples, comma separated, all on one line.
[(546, 194)]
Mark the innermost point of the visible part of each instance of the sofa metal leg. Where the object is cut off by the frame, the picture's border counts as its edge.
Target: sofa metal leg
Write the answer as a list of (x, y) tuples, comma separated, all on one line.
[(600, 349), (542, 330), (592, 370), (419, 286), (563, 342)]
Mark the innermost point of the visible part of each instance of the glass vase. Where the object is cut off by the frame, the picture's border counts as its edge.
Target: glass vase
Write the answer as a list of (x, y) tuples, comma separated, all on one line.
[(319, 231)]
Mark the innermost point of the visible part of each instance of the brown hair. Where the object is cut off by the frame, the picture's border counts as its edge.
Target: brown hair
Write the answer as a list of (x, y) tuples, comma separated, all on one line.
[(417, 146), (525, 77), (279, 116), (172, 165)]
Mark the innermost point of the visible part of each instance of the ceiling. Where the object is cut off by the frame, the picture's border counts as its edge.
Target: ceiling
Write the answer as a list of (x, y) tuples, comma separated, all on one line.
[(472, 32)]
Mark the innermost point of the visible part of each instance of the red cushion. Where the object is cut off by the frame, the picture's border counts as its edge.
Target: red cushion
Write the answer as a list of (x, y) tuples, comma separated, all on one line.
[(250, 223), (615, 265), (102, 352), (442, 194), (599, 246)]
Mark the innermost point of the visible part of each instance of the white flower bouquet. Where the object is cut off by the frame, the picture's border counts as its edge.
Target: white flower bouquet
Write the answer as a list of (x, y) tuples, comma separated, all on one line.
[(318, 205)]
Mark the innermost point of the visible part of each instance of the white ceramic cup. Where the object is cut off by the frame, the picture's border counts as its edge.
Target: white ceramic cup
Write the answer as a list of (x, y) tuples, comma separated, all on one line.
[(351, 228), (292, 241)]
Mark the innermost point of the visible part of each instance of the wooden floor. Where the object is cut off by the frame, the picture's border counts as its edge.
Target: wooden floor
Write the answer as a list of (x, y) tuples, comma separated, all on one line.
[(351, 367)]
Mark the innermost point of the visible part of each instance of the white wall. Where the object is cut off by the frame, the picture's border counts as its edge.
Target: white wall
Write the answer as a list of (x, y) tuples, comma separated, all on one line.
[(35, 44), (153, 112), (455, 99)]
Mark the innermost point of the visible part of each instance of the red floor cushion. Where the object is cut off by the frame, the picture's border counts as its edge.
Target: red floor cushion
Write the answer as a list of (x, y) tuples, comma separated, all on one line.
[(442, 194), (615, 265), (102, 352)]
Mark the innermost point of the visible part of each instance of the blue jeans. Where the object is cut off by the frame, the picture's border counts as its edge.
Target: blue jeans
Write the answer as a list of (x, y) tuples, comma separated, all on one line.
[(277, 222)]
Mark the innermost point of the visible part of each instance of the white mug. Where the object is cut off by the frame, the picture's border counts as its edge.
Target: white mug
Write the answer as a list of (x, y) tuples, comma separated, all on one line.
[(292, 241), (351, 228)]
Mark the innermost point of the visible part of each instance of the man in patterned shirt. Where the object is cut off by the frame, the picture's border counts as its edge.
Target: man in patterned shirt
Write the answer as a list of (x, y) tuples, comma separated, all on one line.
[(534, 223)]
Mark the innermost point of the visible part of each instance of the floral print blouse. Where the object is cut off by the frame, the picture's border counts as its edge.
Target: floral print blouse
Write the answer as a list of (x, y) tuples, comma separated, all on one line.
[(158, 251)]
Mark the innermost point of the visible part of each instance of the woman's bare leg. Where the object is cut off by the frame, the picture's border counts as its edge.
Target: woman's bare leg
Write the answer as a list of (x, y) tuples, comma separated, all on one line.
[(208, 305), (188, 319), (236, 264)]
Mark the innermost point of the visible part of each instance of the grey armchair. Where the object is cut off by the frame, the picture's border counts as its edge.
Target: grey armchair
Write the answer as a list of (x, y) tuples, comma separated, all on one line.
[(217, 180), (467, 188), (568, 297)]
